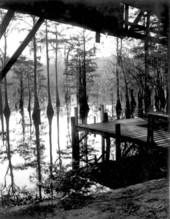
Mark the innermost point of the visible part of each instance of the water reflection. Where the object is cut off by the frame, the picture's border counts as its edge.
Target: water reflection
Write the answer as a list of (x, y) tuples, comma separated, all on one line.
[(22, 177)]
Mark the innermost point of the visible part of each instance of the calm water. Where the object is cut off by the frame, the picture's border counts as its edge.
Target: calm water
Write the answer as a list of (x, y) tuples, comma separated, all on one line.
[(21, 177)]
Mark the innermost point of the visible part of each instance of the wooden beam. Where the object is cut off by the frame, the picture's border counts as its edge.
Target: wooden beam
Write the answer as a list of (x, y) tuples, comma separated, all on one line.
[(18, 52), (137, 26), (137, 19), (7, 18), (133, 34), (126, 16)]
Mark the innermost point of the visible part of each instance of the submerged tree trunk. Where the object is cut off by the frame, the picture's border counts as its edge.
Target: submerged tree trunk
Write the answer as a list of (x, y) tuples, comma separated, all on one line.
[(29, 110), (146, 48), (57, 101), (21, 106), (140, 104), (36, 117), (50, 111), (127, 110), (1, 116), (83, 99), (67, 97), (118, 104), (7, 113), (132, 103)]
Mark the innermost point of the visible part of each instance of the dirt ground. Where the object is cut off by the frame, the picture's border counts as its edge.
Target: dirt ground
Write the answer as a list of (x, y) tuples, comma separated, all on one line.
[(140, 201)]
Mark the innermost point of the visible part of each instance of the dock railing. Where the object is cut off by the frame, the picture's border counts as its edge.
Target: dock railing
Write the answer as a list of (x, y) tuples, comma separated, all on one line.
[(156, 120)]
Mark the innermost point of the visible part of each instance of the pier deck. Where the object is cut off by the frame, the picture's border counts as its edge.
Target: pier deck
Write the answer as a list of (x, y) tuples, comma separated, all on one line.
[(132, 130)]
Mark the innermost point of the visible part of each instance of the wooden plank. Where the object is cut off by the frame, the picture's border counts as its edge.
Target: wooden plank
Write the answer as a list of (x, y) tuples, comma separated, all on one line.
[(132, 130), (137, 19)]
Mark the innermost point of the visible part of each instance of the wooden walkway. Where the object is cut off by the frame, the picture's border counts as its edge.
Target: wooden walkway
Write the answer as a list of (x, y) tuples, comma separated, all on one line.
[(132, 130)]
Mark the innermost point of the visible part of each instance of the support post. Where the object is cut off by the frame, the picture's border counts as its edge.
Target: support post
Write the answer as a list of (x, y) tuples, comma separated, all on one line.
[(94, 123), (75, 145), (118, 149), (102, 138), (107, 148), (102, 113), (105, 119), (76, 115), (126, 16)]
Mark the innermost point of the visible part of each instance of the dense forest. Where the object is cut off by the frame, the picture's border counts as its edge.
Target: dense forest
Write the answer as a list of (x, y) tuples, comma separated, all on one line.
[(132, 81)]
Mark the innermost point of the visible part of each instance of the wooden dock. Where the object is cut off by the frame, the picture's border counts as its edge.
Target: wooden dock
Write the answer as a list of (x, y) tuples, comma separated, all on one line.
[(143, 134), (132, 130)]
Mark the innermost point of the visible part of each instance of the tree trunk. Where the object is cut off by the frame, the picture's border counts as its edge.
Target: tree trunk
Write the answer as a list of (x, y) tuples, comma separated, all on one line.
[(7, 113), (127, 110), (83, 99), (132, 103), (67, 98), (7, 117), (36, 117), (140, 104), (146, 48), (118, 104), (57, 101), (50, 111), (21, 106), (1, 115)]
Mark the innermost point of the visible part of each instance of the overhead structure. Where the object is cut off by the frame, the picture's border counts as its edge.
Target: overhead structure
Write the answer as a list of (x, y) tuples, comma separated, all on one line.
[(102, 16)]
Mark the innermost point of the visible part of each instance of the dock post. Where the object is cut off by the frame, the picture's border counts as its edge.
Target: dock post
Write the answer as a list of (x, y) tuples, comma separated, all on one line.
[(75, 145), (105, 117), (150, 129), (107, 148), (102, 113), (94, 123), (102, 138), (76, 115), (118, 149)]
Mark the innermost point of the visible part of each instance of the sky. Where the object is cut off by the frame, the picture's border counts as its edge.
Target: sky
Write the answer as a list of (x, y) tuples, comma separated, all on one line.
[(106, 47)]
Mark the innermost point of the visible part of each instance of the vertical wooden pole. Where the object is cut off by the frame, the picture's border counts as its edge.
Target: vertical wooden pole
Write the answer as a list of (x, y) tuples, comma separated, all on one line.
[(102, 138), (118, 149), (94, 123), (105, 119), (75, 145), (102, 113), (107, 148), (126, 16), (76, 115)]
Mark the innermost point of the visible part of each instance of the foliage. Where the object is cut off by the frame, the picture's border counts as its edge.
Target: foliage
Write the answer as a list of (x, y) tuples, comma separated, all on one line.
[(21, 196), (70, 182)]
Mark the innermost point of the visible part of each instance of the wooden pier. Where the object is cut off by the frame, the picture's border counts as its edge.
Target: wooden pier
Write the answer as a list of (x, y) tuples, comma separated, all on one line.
[(136, 131)]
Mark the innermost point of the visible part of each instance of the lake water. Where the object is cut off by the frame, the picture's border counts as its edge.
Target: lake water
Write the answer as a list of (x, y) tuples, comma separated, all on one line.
[(21, 177)]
